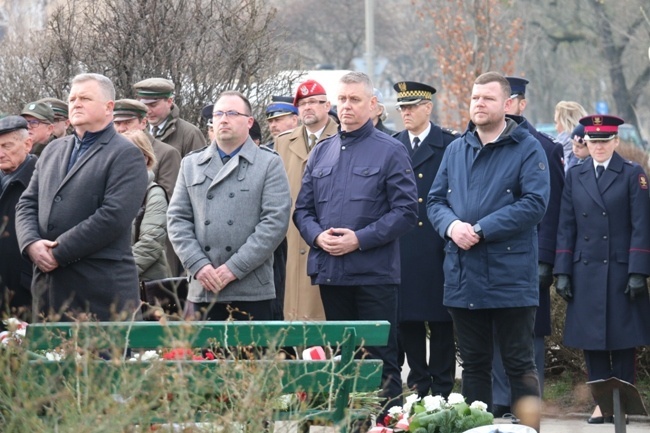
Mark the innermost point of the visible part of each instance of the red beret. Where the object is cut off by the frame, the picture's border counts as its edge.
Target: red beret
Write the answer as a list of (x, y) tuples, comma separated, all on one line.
[(306, 89)]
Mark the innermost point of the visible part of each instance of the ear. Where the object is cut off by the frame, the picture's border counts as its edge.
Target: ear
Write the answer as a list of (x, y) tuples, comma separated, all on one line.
[(508, 104), (28, 144), (373, 103), (522, 105), (109, 108)]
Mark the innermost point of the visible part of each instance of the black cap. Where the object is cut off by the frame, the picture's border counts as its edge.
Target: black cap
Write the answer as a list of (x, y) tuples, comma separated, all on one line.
[(206, 111), (12, 123), (517, 86), (255, 132), (410, 92)]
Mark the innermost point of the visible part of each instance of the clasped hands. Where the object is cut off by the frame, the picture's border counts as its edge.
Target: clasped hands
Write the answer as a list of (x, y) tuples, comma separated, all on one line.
[(337, 242), (464, 236), (40, 252), (215, 279)]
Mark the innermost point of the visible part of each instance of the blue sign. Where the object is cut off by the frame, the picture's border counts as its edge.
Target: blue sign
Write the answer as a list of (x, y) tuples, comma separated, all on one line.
[(602, 107)]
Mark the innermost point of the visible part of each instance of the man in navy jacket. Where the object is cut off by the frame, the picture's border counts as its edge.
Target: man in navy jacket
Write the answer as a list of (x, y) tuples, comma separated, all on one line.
[(358, 196), (490, 193)]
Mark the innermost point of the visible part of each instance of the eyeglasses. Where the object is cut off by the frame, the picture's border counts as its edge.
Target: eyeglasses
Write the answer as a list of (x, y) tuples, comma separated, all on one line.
[(229, 113), (31, 124), (311, 103)]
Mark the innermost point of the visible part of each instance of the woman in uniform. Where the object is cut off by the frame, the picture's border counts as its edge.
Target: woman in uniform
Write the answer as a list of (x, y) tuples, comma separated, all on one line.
[(603, 256)]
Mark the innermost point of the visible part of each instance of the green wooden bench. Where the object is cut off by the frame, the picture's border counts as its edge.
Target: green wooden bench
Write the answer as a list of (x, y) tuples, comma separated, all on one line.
[(259, 371)]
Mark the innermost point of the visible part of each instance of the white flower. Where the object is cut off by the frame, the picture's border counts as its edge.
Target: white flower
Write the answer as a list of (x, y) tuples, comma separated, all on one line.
[(455, 398), (433, 402), (149, 355), (395, 411), (53, 356), (478, 405), (410, 401)]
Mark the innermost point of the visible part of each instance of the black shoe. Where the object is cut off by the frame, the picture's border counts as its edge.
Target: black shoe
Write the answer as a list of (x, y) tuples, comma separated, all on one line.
[(511, 416), (599, 419), (499, 410)]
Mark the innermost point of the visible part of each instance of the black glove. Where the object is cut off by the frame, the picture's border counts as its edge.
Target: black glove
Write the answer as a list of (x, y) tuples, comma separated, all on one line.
[(563, 287), (637, 285), (545, 272)]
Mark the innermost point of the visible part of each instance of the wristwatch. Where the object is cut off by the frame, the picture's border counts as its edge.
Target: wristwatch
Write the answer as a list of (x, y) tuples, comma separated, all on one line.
[(478, 230)]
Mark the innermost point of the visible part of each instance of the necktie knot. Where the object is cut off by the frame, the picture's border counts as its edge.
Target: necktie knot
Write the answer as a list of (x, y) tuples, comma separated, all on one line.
[(416, 143), (312, 141), (600, 169)]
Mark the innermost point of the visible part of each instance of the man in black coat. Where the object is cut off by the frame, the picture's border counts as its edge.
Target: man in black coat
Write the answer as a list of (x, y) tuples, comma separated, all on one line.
[(546, 236), (422, 253), (16, 168)]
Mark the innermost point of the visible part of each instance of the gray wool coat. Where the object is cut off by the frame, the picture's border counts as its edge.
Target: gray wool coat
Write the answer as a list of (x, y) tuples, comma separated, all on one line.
[(89, 212), (237, 214)]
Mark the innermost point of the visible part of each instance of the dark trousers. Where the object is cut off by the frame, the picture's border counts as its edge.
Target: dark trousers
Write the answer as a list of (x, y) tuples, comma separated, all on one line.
[(603, 364), (500, 383), (370, 302), (437, 373), (513, 327), (236, 310)]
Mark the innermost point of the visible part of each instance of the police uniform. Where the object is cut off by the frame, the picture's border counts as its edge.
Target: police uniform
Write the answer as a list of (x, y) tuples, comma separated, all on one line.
[(279, 106), (422, 256), (603, 257)]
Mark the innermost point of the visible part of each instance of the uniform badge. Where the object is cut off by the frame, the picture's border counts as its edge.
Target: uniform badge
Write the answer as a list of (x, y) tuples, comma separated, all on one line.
[(643, 181), (304, 90), (402, 86), (598, 121), (32, 106)]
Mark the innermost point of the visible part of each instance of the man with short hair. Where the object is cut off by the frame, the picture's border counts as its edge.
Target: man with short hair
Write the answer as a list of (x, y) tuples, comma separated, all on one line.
[(546, 237), (164, 116), (61, 121), (74, 220), (358, 197), (229, 212), (40, 118), (490, 193), (302, 299), (16, 168), (422, 317), (379, 114), (281, 116), (130, 115)]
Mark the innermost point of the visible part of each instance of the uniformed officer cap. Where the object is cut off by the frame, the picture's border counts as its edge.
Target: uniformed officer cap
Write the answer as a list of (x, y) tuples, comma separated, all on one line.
[(206, 111), (126, 109), (280, 107), (601, 127), (153, 89), (517, 86), (59, 107), (410, 92), (307, 89), (39, 110), (12, 123)]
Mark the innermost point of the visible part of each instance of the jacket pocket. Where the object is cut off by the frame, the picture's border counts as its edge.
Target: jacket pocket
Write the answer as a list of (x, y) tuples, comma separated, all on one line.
[(364, 184), (322, 180), (451, 265), (510, 263)]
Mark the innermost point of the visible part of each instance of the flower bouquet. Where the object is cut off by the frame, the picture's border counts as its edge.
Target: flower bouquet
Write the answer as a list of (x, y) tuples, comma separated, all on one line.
[(434, 414)]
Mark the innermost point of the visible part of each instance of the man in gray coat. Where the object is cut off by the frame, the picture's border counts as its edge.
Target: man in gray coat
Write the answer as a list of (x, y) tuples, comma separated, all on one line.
[(229, 212), (74, 219)]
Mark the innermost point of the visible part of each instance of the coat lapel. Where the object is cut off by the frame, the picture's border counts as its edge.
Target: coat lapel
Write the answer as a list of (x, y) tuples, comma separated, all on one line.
[(240, 161), (613, 170), (432, 143), (588, 180)]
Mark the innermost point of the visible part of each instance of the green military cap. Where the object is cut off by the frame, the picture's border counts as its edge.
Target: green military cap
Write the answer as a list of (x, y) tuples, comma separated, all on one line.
[(152, 89), (12, 123), (59, 107), (39, 110), (126, 109)]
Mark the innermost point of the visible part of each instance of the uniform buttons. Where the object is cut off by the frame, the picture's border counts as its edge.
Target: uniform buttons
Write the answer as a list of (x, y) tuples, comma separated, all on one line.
[(605, 261), (343, 137), (605, 237), (420, 223), (584, 262), (365, 171), (584, 214), (210, 196), (57, 199), (206, 222), (329, 280), (508, 248), (508, 190), (604, 213), (230, 222), (302, 251), (207, 248), (231, 195), (471, 305), (420, 175), (228, 248), (449, 191), (586, 238), (420, 200), (342, 147)]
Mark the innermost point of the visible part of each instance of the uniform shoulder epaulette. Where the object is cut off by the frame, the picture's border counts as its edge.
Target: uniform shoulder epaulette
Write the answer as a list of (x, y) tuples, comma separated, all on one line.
[(451, 131), (549, 137), (268, 149), (197, 150)]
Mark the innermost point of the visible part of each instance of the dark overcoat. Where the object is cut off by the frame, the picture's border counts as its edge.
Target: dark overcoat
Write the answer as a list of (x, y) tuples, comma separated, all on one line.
[(422, 250), (88, 211), (603, 236), (15, 270)]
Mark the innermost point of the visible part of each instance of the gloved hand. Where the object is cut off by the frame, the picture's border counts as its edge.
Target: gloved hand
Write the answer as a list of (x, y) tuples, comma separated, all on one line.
[(637, 285), (563, 287), (545, 272)]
